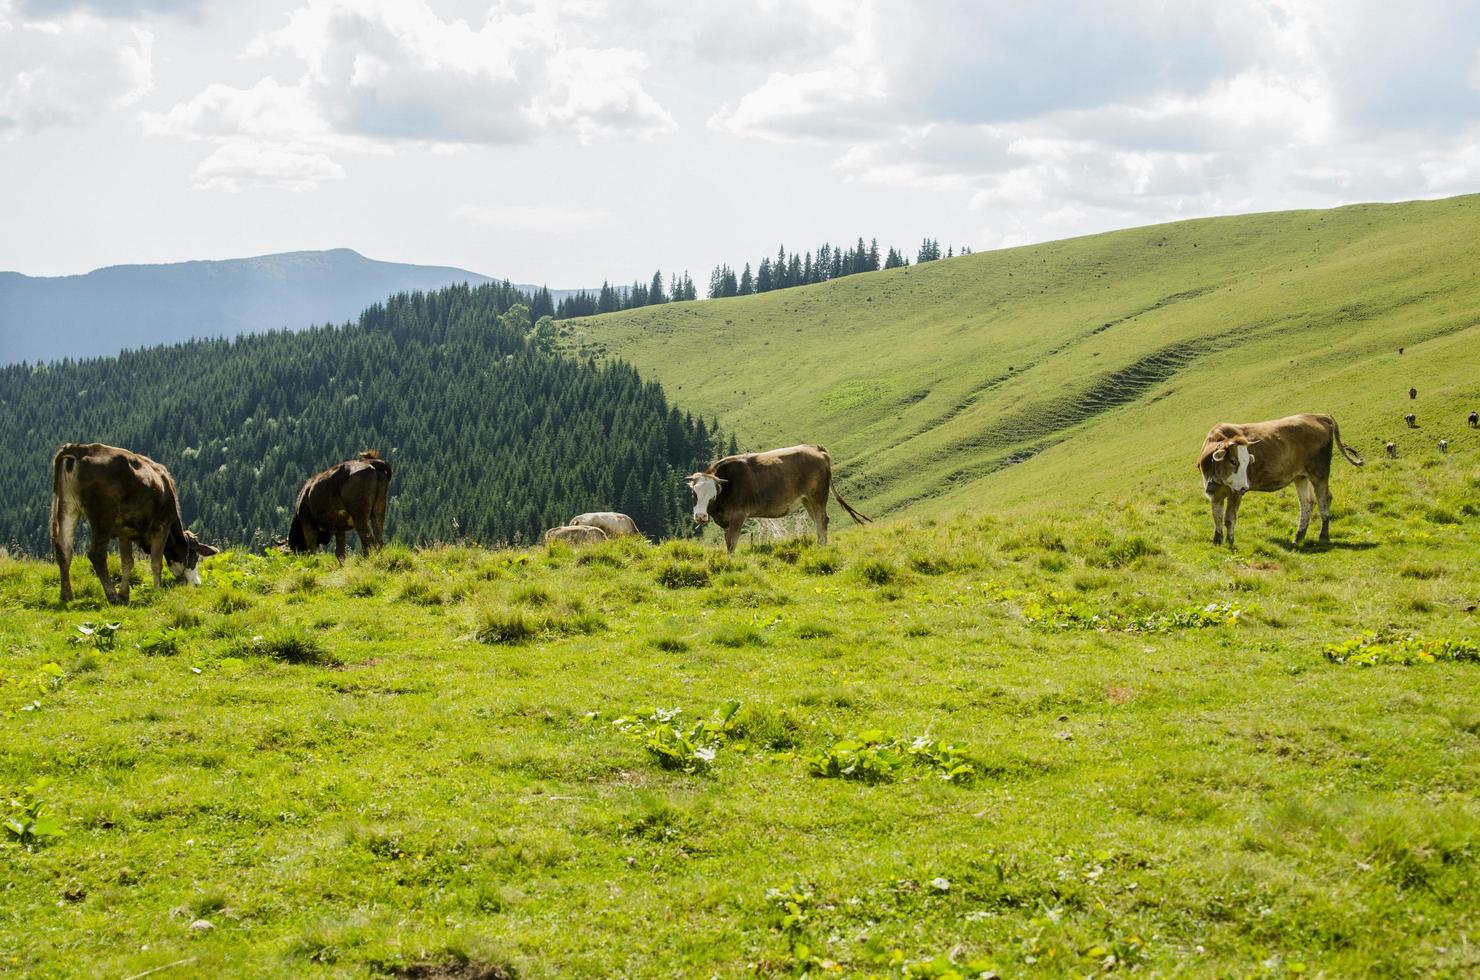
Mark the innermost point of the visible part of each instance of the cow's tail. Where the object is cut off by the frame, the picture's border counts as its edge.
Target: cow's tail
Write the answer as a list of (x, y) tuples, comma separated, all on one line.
[(849, 508), (382, 493), (62, 467), (1350, 454)]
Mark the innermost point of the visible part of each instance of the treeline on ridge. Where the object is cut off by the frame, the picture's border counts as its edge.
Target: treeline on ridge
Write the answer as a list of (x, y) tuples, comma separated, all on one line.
[(830, 262), (494, 435)]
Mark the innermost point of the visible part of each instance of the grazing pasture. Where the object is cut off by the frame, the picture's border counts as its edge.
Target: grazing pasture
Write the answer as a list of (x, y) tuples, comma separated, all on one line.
[(1035, 740), (1089, 368)]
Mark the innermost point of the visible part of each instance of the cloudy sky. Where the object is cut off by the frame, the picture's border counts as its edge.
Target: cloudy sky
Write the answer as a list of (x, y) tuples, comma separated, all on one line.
[(568, 141)]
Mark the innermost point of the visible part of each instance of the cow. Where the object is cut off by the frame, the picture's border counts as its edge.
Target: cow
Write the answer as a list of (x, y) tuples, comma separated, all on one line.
[(1392, 450), (126, 496), (575, 534), (615, 525), (737, 488), (1443, 445), (1475, 420), (1270, 456), (348, 496), (1411, 420), (1412, 393)]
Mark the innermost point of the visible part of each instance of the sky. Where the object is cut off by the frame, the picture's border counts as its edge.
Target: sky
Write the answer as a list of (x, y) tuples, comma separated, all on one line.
[(568, 142)]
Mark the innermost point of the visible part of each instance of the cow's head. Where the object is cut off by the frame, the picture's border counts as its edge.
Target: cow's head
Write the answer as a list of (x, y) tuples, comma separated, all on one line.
[(703, 488), (184, 558), (1226, 464)]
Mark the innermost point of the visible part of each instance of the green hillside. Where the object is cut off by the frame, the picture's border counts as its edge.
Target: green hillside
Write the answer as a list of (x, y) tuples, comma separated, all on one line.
[(1096, 364)]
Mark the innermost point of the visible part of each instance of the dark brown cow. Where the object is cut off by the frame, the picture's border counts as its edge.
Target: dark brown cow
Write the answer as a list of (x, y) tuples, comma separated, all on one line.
[(738, 488), (1475, 420), (1270, 456), (126, 496), (350, 496)]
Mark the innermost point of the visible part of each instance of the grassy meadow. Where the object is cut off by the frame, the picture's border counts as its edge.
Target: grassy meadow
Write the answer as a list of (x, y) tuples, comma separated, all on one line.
[(1089, 368), (1038, 742)]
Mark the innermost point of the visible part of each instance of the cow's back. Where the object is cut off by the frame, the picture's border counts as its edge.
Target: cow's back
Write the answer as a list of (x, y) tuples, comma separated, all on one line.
[(115, 489), (759, 482)]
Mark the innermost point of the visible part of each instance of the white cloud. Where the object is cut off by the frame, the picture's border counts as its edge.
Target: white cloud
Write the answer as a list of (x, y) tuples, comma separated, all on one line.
[(385, 73), (239, 165), (67, 71), (1068, 116), (527, 219)]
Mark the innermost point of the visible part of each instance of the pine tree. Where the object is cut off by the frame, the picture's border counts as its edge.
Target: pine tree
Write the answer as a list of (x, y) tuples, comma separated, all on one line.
[(655, 291), (747, 281)]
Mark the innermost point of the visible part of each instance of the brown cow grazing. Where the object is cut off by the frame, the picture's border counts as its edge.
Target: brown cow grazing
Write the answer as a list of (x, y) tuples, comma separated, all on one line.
[(1270, 456), (1392, 450), (575, 534), (769, 484), (349, 496), (1412, 420), (126, 496), (1475, 420), (1412, 392)]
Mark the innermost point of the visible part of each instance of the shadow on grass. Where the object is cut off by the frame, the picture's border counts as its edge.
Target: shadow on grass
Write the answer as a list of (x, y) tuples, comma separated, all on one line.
[(1320, 547)]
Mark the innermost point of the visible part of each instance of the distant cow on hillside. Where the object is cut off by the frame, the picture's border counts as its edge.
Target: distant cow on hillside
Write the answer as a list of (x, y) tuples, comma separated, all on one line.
[(1270, 456), (615, 525), (1475, 420), (349, 496), (769, 484), (1411, 420), (126, 496)]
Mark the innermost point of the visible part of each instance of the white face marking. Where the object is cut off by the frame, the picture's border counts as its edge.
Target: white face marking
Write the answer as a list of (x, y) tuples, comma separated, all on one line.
[(1240, 479), (705, 488), (177, 568), (192, 575)]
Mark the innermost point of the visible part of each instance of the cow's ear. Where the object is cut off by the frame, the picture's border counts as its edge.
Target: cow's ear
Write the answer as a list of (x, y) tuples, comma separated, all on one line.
[(199, 546)]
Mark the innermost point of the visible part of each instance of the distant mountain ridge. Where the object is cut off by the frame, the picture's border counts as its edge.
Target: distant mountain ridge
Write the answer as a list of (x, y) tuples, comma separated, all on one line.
[(127, 306)]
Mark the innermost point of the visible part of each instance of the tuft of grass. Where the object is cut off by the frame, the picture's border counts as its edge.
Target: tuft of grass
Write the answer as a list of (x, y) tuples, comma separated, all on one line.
[(877, 571), (682, 575), (289, 646)]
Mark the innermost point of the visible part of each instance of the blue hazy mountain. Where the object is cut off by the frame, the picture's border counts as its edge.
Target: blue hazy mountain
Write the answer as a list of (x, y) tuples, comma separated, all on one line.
[(128, 306)]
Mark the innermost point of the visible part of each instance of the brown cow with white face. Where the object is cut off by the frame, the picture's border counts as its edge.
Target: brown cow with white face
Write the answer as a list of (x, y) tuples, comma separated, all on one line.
[(769, 484), (126, 496), (1270, 456), (349, 496)]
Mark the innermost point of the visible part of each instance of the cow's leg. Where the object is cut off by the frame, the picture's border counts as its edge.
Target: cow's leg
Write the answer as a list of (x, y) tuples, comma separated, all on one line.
[(156, 559), (339, 545), (97, 553), (125, 566), (1307, 495), (61, 550), (732, 535), (1217, 503), (1323, 497), (1230, 516), (818, 512)]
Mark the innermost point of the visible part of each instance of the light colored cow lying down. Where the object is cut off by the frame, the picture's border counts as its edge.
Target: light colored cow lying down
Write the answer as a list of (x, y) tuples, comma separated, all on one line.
[(575, 534), (615, 525)]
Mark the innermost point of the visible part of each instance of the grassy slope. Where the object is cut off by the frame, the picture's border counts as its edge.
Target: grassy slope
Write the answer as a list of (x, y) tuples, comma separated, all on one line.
[(1218, 801), (1112, 355)]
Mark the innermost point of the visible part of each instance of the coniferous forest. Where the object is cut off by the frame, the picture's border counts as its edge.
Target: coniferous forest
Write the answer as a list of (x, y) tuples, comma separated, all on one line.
[(494, 436)]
